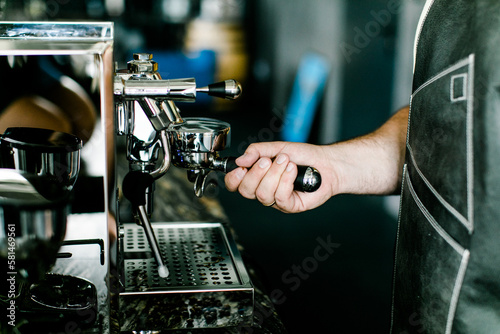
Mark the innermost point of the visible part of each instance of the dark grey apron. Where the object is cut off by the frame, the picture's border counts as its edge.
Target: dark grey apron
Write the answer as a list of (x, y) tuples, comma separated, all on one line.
[(447, 272)]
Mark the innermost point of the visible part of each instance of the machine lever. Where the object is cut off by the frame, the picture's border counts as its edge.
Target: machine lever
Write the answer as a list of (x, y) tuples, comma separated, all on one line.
[(228, 89)]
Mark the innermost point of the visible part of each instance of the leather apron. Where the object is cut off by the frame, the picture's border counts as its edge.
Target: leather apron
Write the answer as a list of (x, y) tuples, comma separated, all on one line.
[(447, 264)]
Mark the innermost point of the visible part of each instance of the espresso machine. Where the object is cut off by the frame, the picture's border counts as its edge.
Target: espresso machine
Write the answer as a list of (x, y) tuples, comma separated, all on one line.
[(158, 275), (191, 269)]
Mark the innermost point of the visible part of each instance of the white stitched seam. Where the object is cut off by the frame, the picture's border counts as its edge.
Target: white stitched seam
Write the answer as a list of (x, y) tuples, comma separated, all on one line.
[(454, 244), (469, 221), (470, 144), (456, 291), (463, 96), (450, 69), (421, 21), (447, 205), (396, 251), (409, 118)]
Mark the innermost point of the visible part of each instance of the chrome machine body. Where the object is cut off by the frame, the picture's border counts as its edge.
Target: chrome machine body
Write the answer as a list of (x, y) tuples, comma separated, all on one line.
[(191, 269), (57, 258)]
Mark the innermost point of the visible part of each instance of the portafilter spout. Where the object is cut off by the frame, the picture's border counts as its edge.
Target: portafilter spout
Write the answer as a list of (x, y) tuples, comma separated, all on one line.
[(134, 189)]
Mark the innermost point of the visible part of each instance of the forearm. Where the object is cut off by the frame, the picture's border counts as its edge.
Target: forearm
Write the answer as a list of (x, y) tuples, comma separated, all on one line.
[(372, 164)]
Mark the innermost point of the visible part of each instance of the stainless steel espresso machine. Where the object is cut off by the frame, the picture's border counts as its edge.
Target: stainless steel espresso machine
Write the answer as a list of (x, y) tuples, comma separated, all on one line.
[(169, 275), (187, 274), (54, 252), (157, 275)]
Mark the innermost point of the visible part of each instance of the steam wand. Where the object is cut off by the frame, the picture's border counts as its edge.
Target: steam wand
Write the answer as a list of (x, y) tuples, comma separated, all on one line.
[(134, 187)]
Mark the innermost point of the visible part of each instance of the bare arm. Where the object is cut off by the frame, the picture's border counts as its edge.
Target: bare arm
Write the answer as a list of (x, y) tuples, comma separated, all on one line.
[(371, 164)]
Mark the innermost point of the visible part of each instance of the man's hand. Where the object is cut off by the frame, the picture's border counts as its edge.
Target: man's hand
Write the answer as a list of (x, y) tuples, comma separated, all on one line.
[(268, 170)]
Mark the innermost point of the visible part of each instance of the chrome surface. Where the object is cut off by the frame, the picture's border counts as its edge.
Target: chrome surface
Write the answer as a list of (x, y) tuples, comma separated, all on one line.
[(31, 224), (200, 135), (205, 181), (167, 158), (41, 152), (55, 38), (233, 89), (87, 47), (145, 107), (196, 141), (173, 89), (18, 187), (152, 241), (311, 179), (228, 89), (56, 30), (33, 201), (205, 269), (200, 255), (203, 263)]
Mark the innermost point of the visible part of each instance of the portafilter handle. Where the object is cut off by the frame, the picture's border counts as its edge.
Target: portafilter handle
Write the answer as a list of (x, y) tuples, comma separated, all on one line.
[(308, 178)]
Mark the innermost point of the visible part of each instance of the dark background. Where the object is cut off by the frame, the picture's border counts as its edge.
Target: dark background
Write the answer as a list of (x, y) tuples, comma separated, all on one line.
[(261, 43)]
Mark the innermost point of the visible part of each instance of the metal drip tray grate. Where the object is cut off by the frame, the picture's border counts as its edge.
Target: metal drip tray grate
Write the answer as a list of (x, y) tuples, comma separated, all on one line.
[(208, 285), (195, 254)]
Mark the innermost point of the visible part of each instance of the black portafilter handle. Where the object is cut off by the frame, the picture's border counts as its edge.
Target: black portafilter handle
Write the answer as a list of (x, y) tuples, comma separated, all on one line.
[(308, 178)]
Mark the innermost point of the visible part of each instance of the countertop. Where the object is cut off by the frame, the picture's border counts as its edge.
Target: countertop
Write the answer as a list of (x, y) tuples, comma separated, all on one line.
[(175, 202)]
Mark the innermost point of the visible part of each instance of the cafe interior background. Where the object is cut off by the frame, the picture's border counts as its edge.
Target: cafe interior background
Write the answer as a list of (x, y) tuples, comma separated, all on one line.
[(360, 53)]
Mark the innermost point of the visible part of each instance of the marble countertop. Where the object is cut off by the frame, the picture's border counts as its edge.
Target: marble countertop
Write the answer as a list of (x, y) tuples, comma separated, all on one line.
[(175, 202)]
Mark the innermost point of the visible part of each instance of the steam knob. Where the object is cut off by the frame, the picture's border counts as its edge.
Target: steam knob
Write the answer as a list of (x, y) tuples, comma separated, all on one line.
[(228, 89)]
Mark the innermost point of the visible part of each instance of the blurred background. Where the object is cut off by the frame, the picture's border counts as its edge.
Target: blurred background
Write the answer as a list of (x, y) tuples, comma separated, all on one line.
[(318, 71)]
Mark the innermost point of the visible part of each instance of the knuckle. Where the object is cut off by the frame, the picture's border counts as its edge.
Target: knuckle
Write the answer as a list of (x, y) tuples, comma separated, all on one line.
[(231, 183), (246, 192), (279, 199), (261, 195)]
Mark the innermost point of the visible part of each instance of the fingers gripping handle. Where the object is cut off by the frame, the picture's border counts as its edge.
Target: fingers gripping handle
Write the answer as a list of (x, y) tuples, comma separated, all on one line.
[(308, 178), (134, 189)]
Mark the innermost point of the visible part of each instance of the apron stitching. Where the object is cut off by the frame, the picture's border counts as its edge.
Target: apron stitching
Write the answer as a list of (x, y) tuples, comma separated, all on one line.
[(470, 144), (464, 80), (439, 229), (459, 64), (447, 205), (469, 61), (396, 251), (423, 18), (456, 291)]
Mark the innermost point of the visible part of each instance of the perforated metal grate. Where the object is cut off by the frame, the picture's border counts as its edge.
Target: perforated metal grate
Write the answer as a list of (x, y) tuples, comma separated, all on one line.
[(195, 254)]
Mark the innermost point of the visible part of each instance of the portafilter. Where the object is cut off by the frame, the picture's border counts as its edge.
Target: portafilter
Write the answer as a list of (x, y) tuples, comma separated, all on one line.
[(196, 143)]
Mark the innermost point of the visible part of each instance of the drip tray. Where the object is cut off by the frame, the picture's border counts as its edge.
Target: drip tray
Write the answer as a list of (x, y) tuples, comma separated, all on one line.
[(208, 285)]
